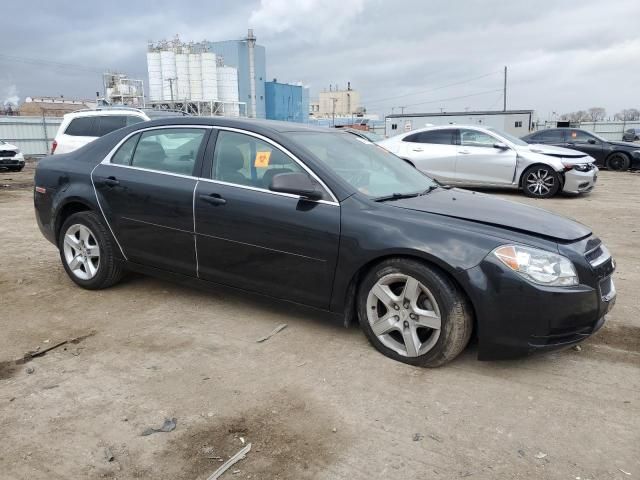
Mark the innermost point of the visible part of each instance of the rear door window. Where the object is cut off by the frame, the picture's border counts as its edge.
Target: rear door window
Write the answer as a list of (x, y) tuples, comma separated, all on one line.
[(551, 136), (172, 150), (109, 123), (436, 137), (82, 127)]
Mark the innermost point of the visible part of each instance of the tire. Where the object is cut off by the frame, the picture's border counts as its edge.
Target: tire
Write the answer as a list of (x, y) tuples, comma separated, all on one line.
[(433, 294), (540, 181), (78, 254), (618, 162)]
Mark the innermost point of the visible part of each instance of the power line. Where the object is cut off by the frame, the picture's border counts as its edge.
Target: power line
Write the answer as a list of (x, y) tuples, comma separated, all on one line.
[(461, 82), (53, 64), (455, 98)]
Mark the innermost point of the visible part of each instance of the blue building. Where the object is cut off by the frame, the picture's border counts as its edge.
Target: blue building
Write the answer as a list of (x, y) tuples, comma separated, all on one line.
[(236, 54), (286, 102)]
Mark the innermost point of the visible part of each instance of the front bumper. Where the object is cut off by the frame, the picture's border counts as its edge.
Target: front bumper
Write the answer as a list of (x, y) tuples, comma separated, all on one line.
[(580, 182), (516, 317), (12, 162)]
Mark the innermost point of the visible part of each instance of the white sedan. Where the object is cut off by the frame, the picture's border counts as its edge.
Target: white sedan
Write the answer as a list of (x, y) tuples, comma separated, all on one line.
[(11, 158), (474, 156)]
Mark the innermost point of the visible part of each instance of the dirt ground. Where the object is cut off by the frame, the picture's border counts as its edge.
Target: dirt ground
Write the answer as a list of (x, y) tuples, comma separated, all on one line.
[(315, 401)]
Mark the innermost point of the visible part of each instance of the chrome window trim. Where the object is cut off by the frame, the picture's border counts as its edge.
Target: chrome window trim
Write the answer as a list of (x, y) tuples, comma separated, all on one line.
[(107, 161)]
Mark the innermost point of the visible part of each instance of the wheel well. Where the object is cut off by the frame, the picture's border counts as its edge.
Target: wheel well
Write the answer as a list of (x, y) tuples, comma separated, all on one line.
[(616, 152), (66, 211), (560, 174), (351, 304)]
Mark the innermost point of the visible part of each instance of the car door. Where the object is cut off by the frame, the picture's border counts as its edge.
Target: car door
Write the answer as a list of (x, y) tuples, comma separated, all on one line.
[(252, 238), (432, 151), (585, 142), (479, 161), (145, 190)]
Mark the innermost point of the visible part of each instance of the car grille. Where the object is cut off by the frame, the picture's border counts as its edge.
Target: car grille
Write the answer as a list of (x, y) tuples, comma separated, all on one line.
[(7, 153), (600, 260)]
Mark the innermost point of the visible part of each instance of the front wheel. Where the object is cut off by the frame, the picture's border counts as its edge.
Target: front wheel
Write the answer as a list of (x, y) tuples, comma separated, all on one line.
[(413, 313), (540, 181), (87, 252)]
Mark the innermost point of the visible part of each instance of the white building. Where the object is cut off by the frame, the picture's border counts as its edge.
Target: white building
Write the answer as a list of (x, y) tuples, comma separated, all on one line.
[(516, 122), (339, 103)]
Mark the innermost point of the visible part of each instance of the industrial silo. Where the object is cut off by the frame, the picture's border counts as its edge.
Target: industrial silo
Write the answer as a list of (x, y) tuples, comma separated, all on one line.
[(155, 76), (183, 91), (228, 90), (168, 65), (195, 76), (209, 76)]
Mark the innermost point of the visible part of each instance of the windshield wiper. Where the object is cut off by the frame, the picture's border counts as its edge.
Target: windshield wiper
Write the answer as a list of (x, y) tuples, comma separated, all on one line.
[(396, 196), (430, 189)]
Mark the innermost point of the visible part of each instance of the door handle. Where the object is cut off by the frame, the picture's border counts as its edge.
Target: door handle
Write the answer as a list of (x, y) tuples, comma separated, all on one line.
[(213, 199), (111, 182), (464, 152), (418, 149)]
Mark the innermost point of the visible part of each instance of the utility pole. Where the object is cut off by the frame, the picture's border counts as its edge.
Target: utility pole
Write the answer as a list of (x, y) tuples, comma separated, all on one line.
[(504, 94), (402, 110)]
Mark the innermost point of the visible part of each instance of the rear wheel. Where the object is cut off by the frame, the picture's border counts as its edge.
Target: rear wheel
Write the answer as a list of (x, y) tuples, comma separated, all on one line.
[(87, 252), (413, 313), (540, 181), (618, 162)]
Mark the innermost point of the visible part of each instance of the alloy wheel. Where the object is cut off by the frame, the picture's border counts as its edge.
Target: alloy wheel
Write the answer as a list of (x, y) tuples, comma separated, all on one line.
[(404, 315), (540, 182), (81, 251)]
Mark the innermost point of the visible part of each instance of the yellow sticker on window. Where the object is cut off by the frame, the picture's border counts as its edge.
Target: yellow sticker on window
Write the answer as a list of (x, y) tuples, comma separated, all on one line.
[(262, 159)]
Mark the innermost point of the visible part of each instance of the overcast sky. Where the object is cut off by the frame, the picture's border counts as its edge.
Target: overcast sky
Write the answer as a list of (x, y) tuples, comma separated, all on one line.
[(562, 56)]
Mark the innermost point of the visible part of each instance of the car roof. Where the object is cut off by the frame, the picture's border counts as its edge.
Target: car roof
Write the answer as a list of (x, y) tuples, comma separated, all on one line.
[(255, 125), (107, 111)]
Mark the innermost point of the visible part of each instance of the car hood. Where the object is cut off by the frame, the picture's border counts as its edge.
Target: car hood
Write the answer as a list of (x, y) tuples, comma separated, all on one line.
[(555, 151), (631, 145), (490, 210), (7, 146)]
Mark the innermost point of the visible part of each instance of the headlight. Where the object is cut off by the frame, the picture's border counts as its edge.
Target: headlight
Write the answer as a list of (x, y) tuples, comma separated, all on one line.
[(538, 266)]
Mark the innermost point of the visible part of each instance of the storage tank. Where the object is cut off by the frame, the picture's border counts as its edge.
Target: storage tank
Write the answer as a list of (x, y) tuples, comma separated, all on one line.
[(209, 76), (182, 75), (168, 65), (195, 76), (228, 90), (155, 76)]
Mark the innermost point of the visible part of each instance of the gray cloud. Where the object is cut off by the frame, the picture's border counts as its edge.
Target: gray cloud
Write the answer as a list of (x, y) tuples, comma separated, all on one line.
[(561, 56)]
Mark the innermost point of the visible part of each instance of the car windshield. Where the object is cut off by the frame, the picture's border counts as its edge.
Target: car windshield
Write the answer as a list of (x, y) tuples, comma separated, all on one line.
[(513, 139), (598, 137), (366, 166)]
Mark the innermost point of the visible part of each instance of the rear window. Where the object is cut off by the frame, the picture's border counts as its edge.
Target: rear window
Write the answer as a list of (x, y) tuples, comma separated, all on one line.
[(100, 125), (81, 127)]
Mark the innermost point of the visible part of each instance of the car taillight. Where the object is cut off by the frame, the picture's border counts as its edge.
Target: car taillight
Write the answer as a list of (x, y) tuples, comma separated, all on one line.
[(53, 146)]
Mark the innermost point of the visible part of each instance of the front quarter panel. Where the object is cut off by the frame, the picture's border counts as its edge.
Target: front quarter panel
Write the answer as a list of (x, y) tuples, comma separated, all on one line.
[(369, 234)]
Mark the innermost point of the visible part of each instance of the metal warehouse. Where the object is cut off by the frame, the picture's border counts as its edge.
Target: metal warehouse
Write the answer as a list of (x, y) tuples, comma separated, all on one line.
[(516, 122)]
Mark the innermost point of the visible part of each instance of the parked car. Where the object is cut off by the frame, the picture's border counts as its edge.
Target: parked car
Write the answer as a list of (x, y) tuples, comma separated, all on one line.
[(11, 158), (474, 156), (84, 126), (317, 217), (607, 153), (631, 135), (364, 134)]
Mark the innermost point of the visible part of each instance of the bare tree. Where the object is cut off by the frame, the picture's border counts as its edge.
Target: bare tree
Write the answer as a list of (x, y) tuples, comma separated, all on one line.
[(596, 114), (628, 115)]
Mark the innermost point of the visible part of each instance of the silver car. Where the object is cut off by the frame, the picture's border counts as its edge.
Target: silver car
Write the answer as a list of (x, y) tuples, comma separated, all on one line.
[(474, 156)]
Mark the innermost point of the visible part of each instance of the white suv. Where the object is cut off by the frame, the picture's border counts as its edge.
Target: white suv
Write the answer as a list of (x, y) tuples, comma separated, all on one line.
[(82, 127)]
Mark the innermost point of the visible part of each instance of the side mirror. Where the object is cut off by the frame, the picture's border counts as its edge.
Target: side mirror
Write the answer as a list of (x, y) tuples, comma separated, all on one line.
[(591, 141), (501, 146), (296, 184)]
